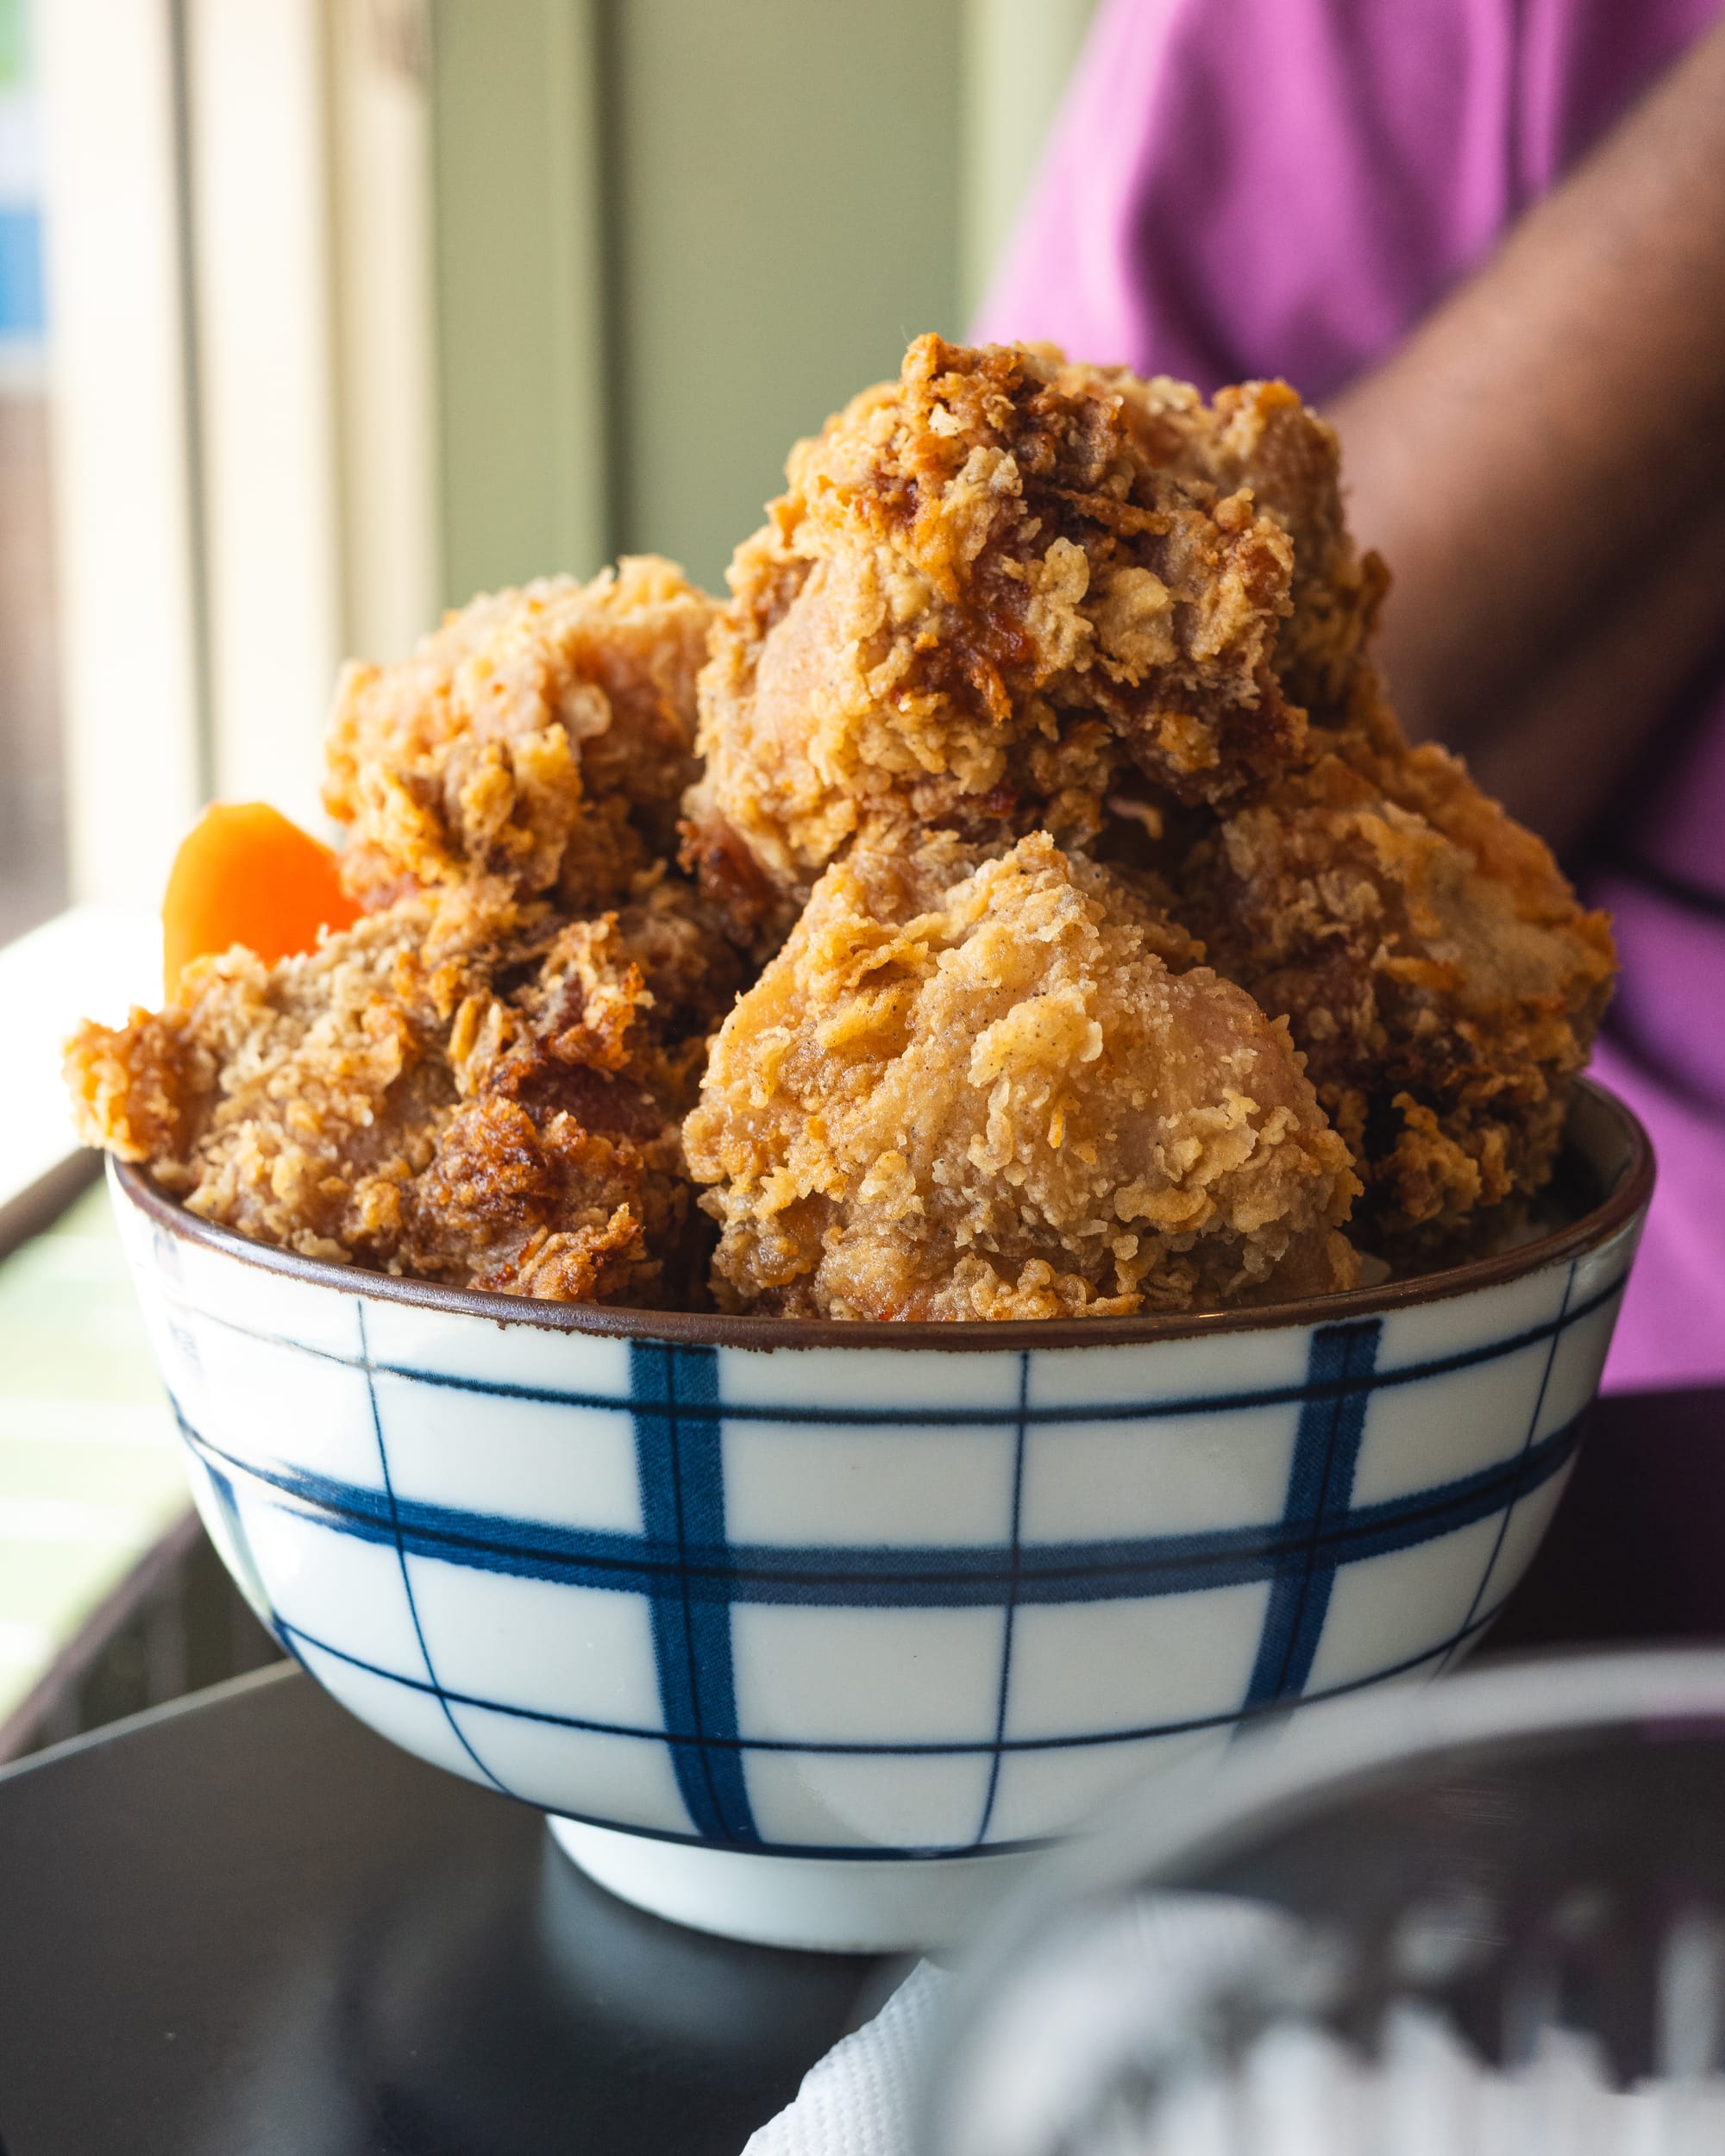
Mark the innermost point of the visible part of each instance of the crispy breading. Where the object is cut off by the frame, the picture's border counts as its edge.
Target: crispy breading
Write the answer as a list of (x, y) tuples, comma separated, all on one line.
[(974, 1088), (544, 735), (1259, 435), (1432, 962), (991, 586), (464, 1086), (1127, 937)]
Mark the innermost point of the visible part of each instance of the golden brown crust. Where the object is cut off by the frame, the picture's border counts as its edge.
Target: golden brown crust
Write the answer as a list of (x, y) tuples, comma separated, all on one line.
[(980, 599), (462, 1086), (544, 735), (1431, 959), (974, 1088), (1008, 606), (1259, 436), (136, 1089)]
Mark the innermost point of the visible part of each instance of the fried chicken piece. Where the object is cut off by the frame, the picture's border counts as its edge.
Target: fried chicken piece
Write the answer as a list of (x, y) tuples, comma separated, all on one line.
[(1432, 963), (462, 1086), (544, 735), (1259, 435), (975, 1088), (993, 584)]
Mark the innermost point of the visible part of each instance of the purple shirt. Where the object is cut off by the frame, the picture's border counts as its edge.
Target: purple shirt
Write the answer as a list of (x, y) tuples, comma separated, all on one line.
[(1250, 187)]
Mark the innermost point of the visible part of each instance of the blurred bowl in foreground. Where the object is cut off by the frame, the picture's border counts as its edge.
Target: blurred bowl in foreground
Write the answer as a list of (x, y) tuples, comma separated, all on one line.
[(1484, 1920)]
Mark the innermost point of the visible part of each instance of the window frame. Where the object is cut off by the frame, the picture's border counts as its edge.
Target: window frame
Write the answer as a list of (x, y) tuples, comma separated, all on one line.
[(239, 201)]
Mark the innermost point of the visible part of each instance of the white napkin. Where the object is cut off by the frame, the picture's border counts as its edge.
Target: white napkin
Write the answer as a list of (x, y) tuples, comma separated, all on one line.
[(860, 2100)]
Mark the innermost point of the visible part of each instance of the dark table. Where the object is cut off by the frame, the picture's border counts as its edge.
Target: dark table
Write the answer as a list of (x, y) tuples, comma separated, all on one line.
[(245, 1927)]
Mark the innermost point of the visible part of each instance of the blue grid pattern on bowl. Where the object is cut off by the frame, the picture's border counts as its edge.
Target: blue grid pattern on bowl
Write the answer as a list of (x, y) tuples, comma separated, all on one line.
[(706, 1593)]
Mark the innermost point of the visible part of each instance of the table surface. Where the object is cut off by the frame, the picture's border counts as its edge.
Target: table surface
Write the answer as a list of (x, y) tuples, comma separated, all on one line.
[(247, 1927)]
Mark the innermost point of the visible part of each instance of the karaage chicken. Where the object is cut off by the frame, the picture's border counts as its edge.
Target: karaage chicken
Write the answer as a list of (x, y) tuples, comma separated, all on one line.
[(974, 1088), (1122, 940), (464, 1086), (544, 735), (993, 584), (1260, 437), (1432, 960)]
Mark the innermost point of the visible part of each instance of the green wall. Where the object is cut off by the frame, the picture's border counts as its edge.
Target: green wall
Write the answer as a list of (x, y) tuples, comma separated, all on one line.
[(13, 48), (671, 236), (786, 218), (519, 283)]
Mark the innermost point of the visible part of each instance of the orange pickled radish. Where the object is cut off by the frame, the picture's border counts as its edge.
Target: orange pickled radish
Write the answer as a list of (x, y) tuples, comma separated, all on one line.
[(245, 875)]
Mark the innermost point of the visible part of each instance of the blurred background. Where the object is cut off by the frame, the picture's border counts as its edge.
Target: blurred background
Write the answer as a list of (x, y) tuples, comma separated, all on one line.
[(31, 796), (316, 317)]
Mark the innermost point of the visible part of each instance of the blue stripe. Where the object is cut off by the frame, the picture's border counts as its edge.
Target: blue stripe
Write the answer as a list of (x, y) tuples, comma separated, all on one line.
[(395, 1536), (912, 1748), (848, 1851), (251, 1580), (1480, 1592), (828, 1414), (682, 1502), (1318, 1512), (926, 1576), (1008, 1622)]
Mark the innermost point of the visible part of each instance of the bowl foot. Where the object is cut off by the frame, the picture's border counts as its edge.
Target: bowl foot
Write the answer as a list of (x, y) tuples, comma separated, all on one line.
[(822, 1904)]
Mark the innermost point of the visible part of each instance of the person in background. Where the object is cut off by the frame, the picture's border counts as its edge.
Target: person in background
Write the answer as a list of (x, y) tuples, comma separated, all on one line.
[(1488, 238)]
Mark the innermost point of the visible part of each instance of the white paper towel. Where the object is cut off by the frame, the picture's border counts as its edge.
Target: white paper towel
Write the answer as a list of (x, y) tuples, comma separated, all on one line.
[(860, 2099)]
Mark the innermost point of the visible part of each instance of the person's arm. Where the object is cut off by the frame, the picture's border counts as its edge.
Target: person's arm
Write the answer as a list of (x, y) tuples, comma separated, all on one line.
[(1541, 464), (1568, 744)]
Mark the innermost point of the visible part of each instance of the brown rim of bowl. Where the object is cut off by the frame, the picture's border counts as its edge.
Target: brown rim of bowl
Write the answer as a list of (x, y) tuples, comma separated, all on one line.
[(690, 1328)]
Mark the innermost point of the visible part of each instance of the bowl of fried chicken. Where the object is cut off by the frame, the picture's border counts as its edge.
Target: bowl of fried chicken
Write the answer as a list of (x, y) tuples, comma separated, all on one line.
[(906, 1198)]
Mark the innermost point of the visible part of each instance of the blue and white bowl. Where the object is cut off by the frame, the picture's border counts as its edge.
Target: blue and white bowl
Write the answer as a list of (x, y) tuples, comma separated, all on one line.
[(815, 1632)]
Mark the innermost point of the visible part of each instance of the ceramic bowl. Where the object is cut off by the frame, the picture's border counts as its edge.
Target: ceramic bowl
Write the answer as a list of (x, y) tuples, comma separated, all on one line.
[(815, 1632)]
